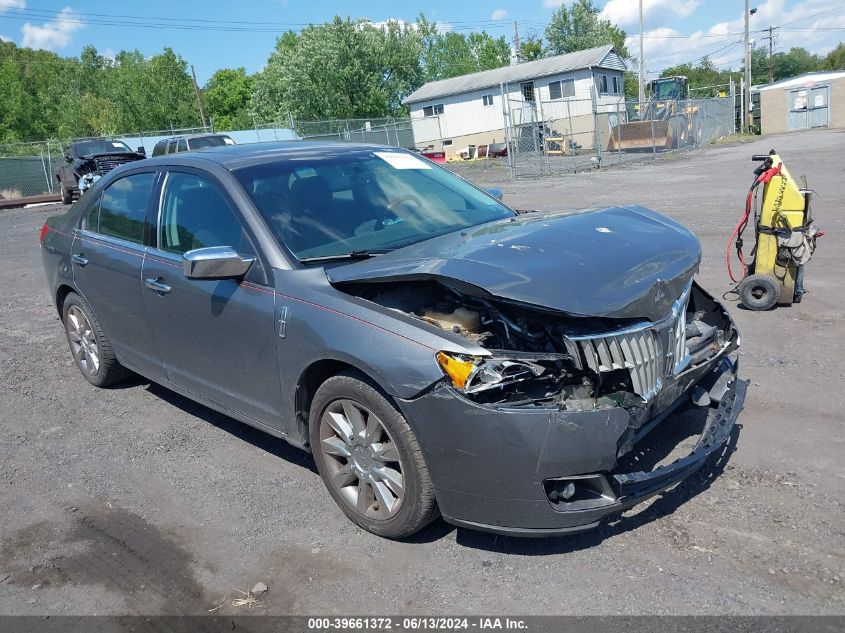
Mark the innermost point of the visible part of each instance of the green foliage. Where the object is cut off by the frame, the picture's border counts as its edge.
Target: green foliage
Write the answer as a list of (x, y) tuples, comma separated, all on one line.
[(579, 27), (835, 59), (451, 54), (704, 79), (227, 96), (342, 69), (47, 96), (530, 49), (795, 61)]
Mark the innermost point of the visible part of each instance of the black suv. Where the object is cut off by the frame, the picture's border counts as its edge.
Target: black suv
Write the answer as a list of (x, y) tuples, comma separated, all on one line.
[(190, 143), (87, 161)]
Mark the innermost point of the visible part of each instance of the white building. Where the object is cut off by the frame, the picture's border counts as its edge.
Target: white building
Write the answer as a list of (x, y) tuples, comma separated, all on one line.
[(563, 91)]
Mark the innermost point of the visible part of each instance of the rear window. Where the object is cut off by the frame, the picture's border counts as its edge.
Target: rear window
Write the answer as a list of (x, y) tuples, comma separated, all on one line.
[(209, 141)]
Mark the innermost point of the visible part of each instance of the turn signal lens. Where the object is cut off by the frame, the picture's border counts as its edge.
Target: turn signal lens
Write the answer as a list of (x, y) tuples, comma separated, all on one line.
[(457, 368)]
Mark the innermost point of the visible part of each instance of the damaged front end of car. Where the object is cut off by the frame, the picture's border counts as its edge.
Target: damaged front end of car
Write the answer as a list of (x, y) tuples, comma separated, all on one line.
[(89, 169), (572, 394)]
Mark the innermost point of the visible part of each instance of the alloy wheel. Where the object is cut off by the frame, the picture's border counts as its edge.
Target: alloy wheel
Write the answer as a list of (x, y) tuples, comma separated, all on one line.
[(362, 460), (83, 343)]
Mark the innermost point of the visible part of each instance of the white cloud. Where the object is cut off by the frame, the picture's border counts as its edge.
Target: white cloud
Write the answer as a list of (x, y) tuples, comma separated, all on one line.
[(499, 14), (722, 42), (5, 5), (54, 34), (3, 38), (627, 12)]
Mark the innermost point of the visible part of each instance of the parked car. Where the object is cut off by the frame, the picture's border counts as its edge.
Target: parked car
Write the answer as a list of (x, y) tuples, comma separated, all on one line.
[(434, 349), (190, 143), (87, 161)]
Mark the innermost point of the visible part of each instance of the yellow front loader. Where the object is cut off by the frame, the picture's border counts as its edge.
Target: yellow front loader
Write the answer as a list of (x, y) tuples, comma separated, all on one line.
[(665, 121), (784, 237)]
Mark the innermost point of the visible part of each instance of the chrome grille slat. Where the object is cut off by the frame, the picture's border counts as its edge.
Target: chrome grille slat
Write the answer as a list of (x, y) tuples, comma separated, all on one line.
[(636, 350), (649, 351)]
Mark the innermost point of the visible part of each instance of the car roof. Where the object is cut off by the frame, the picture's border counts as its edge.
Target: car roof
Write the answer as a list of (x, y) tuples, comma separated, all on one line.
[(190, 136), (238, 156)]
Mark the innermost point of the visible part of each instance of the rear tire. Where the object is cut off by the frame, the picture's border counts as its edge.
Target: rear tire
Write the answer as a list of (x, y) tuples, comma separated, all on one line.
[(759, 292), (369, 458), (91, 349)]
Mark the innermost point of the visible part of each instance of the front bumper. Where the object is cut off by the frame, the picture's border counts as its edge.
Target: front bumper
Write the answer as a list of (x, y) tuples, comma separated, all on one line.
[(493, 467)]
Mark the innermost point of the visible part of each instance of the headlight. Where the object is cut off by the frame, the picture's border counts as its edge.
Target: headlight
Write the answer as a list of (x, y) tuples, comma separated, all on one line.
[(472, 374)]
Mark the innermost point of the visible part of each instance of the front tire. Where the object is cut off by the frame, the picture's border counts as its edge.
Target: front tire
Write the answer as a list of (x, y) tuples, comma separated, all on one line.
[(89, 346), (369, 458), (67, 196)]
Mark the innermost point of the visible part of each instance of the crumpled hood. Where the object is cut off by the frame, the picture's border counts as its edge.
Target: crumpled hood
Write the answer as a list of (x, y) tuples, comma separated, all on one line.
[(620, 262)]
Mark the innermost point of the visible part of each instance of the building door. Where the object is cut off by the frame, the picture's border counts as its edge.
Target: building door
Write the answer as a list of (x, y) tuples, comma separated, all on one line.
[(818, 105), (796, 118)]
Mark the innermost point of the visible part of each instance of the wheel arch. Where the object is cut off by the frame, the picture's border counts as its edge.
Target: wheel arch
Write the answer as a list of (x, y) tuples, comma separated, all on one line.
[(310, 380), (62, 292)]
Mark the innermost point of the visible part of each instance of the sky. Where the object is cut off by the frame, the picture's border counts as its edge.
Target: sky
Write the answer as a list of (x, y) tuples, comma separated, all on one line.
[(212, 34)]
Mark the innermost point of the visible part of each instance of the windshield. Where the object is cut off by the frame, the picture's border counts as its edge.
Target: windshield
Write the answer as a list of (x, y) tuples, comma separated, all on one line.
[(337, 203), (667, 89), (210, 141), (91, 148)]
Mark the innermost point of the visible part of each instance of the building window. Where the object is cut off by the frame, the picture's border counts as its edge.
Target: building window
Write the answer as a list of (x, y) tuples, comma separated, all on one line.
[(602, 84), (617, 85), (527, 88), (448, 141), (487, 100), (434, 110), (562, 89)]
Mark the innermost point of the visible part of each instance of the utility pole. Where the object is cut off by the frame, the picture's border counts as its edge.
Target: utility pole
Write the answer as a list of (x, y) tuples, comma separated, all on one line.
[(748, 116), (199, 96), (516, 55), (642, 85), (771, 39)]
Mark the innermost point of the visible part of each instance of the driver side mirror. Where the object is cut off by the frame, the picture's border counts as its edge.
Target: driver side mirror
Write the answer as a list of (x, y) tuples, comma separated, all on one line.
[(496, 193), (142, 151), (215, 262)]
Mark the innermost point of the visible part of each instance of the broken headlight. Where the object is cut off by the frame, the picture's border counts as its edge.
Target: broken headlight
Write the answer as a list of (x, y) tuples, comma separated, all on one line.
[(473, 374)]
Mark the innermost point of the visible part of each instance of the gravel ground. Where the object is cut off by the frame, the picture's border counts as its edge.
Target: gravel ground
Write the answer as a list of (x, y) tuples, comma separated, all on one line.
[(134, 500)]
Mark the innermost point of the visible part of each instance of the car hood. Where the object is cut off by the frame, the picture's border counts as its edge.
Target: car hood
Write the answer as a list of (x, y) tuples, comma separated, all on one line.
[(620, 262)]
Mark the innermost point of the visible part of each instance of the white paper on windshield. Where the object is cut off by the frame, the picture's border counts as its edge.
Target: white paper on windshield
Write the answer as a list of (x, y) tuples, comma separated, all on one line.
[(400, 160), (117, 144)]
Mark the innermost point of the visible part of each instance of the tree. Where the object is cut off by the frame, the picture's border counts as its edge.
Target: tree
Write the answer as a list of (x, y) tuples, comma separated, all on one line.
[(530, 49), (451, 54), (835, 59), (579, 27), (796, 61), (704, 79), (227, 96), (342, 69)]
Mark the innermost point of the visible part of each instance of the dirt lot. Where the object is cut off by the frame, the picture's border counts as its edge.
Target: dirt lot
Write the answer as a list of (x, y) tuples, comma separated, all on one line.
[(136, 501)]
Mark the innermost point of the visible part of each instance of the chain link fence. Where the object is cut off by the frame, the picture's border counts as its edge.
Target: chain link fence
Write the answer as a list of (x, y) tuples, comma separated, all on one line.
[(542, 138), (28, 169), (571, 135)]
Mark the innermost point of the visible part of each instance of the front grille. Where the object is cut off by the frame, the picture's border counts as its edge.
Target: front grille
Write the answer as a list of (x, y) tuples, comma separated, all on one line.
[(649, 351), (636, 349), (105, 165)]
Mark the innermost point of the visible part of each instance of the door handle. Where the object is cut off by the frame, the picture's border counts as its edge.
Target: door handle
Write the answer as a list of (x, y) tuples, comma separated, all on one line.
[(158, 287), (79, 259)]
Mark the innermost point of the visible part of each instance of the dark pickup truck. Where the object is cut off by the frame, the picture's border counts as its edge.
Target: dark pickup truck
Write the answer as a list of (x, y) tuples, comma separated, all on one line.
[(87, 161)]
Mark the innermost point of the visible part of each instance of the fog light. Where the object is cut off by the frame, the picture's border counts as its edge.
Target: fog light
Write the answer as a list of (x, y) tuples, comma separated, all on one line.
[(568, 492)]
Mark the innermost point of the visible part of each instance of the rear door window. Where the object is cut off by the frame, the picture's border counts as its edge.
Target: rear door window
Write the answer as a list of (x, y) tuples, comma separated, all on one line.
[(123, 207), (183, 145)]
